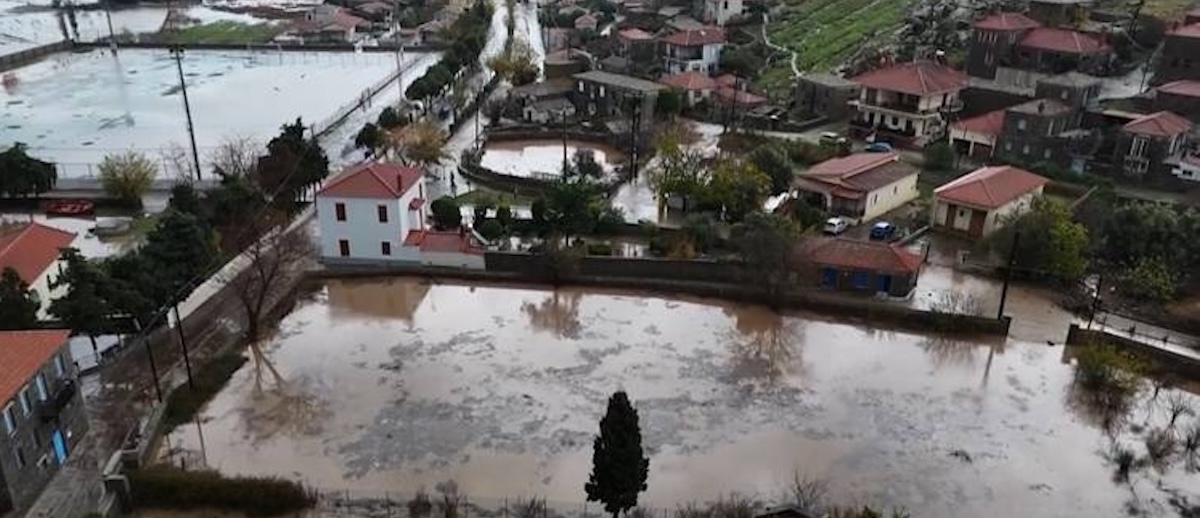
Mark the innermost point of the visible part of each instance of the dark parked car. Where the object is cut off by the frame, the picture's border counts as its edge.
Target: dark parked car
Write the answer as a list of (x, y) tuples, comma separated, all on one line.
[(882, 231)]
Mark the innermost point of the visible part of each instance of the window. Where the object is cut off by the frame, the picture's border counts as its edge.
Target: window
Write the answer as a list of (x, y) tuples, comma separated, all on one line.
[(339, 210), (37, 440), (60, 366), (1020, 124), (1008, 146), (1137, 148), (344, 248), (382, 209), (20, 456), (385, 248), (861, 280), (1050, 129), (1046, 153), (1025, 149), (26, 407), (41, 386), (10, 420), (1063, 95)]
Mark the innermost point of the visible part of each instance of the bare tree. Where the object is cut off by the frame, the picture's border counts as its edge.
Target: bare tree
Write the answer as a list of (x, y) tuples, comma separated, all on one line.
[(808, 493), (452, 500), (1178, 405), (532, 507), (269, 262), (958, 303), (177, 162), (236, 156)]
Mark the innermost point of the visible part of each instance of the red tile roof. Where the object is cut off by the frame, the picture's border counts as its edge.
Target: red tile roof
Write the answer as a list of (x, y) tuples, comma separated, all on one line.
[(1161, 124), (635, 34), (739, 97), (856, 175), (696, 37), (854, 254), (1186, 87), (1006, 22), (916, 78), (1192, 159), (727, 80), (442, 241), (31, 248), (851, 165), (345, 20), (690, 80), (1187, 31), (373, 180), (22, 355), (990, 187), (1064, 41), (990, 123)]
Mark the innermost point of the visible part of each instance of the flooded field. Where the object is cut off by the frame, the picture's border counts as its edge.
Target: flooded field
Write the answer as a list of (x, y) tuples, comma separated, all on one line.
[(386, 386), (75, 108), (542, 157)]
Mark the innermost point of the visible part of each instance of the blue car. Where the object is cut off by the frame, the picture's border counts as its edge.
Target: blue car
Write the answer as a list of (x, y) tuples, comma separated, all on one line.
[(882, 231), (879, 147)]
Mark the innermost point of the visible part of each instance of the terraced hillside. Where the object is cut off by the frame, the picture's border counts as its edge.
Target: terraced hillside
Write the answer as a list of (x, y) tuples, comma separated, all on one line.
[(825, 33)]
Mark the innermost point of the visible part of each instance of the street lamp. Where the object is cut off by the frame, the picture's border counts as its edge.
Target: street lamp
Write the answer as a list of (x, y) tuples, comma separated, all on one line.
[(177, 53)]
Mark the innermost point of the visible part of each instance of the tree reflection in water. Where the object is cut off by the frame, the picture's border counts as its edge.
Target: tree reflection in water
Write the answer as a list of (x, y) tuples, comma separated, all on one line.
[(558, 314), (279, 405), (764, 345)]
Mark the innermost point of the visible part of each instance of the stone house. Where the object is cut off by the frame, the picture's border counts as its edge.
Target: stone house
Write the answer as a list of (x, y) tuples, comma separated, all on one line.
[(42, 417), (1074, 89), (605, 94), (1031, 131), (1057, 51), (1059, 12), (694, 87), (993, 42), (1181, 97), (718, 12), (824, 95), (907, 104), (1179, 56), (979, 202), (1148, 147)]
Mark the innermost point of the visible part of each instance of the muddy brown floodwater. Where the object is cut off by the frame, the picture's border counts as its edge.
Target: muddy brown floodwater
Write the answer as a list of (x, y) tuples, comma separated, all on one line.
[(542, 157), (390, 385)]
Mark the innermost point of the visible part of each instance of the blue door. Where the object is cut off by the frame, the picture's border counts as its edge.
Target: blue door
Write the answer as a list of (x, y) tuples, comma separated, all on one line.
[(885, 283), (829, 277), (861, 280), (60, 446)]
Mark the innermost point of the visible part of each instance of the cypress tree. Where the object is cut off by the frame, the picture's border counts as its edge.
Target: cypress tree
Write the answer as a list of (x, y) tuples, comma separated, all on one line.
[(619, 467)]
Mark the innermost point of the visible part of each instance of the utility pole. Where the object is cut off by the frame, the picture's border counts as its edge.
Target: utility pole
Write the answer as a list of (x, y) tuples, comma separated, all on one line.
[(635, 123), (177, 53), (1095, 300), (563, 115), (112, 36), (153, 369), (1012, 259), (187, 362)]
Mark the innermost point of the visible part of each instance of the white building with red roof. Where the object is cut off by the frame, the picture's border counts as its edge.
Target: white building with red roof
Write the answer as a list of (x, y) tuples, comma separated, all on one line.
[(376, 213), (33, 251), (695, 49), (908, 103), (983, 200), (694, 86), (862, 186), (976, 136)]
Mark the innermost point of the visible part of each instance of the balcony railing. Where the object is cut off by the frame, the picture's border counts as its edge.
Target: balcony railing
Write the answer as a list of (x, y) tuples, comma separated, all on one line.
[(61, 396)]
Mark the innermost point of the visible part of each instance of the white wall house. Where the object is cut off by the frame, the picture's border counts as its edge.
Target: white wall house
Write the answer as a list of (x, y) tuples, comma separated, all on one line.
[(907, 103), (862, 186), (1188, 168), (697, 50), (366, 212), (978, 203), (33, 251)]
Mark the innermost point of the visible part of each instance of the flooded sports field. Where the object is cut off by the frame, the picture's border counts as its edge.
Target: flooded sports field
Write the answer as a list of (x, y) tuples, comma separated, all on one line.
[(389, 385), (543, 157)]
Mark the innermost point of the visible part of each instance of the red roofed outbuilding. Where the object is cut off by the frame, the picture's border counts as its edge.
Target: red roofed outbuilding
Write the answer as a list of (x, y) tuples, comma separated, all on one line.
[(976, 137), (694, 86), (1177, 58), (865, 266), (1054, 51), (983, 200), (33, 251)]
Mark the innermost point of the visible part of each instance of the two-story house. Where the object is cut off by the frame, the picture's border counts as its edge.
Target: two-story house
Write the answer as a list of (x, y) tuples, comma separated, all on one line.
[(994, 41), (718, 12), (42, 417), (1181, 97), (1179, 56), (33, 250), (695, 49), (1149, 147), (1031, 130), (605, 94), (1015, 49), (1056, 51), (907, 104), (366, 212)]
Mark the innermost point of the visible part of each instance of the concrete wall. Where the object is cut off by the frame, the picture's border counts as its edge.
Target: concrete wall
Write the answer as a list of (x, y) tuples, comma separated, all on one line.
[(1165, 359), (33, 437), (453, 260), (1001, 216), (891, 196)]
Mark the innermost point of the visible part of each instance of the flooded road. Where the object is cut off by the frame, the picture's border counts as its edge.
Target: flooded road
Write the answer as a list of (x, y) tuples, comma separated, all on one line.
[(542, 157), (390, 385)]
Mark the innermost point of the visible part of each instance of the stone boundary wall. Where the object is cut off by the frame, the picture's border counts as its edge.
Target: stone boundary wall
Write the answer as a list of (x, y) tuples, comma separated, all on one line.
[(1164, 358), (678, 277), (24, 57), (287, 47)]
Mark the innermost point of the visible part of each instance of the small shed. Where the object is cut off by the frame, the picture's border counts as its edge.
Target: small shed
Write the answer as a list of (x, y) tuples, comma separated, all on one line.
[(845, 264)]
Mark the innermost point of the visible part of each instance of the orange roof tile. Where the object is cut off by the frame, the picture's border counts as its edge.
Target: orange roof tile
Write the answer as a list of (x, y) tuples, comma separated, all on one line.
[(31, 248), (635, 34), (916, 78), (22, 355), (990, 123), (696, 37), (373, 180), (1187, 31), (739, 97), (857, 254), (1006, 22), (1064, 40), (690, 80), (990, 187), (442, 241), (1185, 87), (1160, 124)]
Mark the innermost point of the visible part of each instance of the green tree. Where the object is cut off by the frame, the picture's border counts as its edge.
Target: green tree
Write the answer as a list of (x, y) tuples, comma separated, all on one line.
[(568, 209), (18, 305), (293, 163), (132, 287), (179, 250), (127, 176), (23, 175), (738, 187), (517, 64), (446, 213), (83, 307), (185, 199), (767, 246), (421, 144), (619, 466), (369, 137), (939, 157), (742, 60), (491, 229), (505, 216), (388, 118), (680, 171), (1050, 246), (773, 160), (669, 103), (1148, 279)]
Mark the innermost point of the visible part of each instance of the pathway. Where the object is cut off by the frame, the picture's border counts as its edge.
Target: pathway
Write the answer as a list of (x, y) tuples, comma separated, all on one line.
[(766, 18)]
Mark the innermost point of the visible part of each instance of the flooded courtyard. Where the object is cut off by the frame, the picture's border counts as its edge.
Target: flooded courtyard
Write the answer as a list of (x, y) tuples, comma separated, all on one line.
[(385, 386), (543, 158), (73, 109)]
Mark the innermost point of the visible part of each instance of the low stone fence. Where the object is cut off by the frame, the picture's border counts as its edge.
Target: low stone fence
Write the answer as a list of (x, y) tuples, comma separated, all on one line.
[(24, 57), (286, 47), (716, 279), (1167, 357), (547, 133)]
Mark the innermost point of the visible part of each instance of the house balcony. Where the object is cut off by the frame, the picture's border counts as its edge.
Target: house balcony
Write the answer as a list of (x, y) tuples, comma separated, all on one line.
[(907, 110), (62, 395)]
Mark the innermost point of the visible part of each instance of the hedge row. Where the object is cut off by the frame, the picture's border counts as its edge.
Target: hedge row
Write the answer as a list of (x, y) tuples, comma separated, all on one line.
[(164, 487)]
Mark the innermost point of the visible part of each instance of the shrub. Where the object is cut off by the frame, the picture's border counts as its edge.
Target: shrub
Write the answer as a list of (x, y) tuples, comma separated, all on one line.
[(127, 176), (491, 229), (421, 505), (185, 402), (172, 488), (599, 249), (446, 214)]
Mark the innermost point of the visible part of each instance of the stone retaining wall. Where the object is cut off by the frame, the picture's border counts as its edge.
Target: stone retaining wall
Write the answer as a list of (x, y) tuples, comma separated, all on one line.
[(1163, 357)]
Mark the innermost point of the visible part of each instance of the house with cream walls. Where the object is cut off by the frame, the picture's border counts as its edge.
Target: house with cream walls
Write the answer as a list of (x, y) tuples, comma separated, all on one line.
[(907, 104), (862, 186), (697, 50), (33, 250), (979, 202)]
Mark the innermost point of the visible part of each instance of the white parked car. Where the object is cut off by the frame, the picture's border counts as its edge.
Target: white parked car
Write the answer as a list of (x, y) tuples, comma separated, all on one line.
[(835, 226)]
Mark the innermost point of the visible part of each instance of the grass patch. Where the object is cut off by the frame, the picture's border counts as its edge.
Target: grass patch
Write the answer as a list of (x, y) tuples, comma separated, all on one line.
[(225, 32), (185, 402), (164, 487), (499, 197)]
